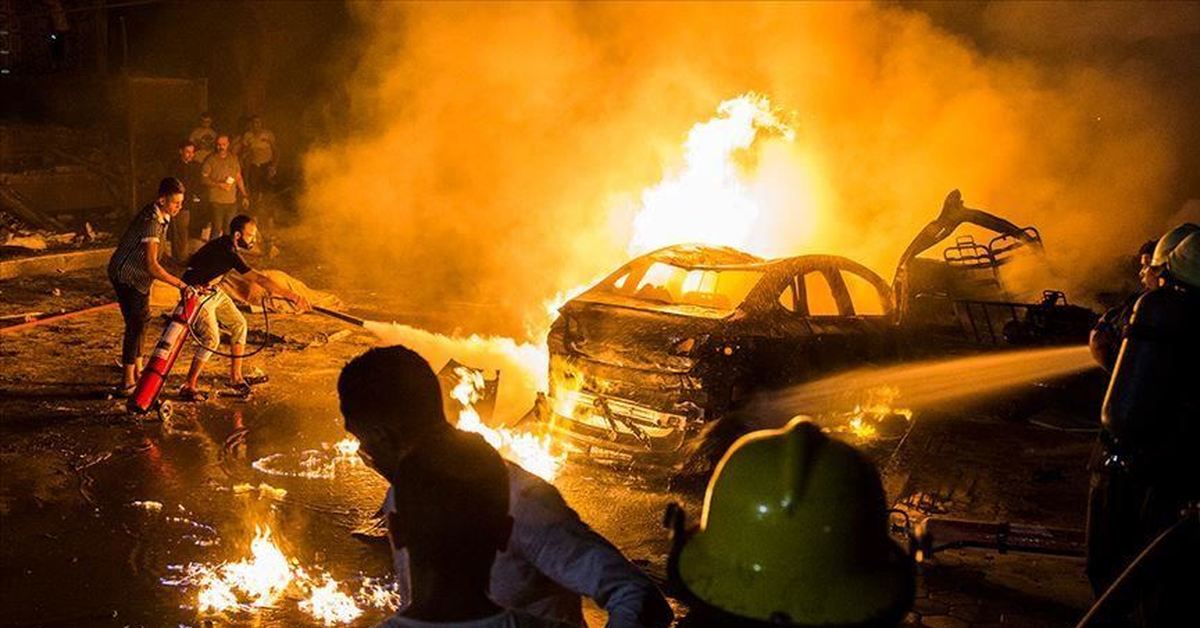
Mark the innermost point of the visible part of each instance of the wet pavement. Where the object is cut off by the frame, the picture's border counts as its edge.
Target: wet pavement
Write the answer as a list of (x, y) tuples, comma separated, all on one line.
[(78, 550)]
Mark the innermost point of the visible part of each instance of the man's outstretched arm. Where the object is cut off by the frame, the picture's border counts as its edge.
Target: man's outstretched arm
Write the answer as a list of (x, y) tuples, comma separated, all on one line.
[(275, 288), (552, 537)]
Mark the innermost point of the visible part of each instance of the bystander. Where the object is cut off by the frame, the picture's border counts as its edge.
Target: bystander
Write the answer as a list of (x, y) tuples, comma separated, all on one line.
[(204, 136), (222, 174), (187, 170), (260, 156)]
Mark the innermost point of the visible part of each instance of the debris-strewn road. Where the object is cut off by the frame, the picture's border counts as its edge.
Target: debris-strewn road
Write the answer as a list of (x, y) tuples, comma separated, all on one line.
[(77, 550)]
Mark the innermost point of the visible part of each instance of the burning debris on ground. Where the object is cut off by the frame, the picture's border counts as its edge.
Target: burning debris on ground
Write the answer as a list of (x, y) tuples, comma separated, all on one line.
[(443, 324)]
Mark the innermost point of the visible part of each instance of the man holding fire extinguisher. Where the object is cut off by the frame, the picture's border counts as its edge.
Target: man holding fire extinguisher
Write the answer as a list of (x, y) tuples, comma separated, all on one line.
[(206, 267), (134, 265)]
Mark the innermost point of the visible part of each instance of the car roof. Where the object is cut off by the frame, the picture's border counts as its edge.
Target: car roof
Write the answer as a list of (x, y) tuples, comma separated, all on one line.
[(702, 256), (724, 257)]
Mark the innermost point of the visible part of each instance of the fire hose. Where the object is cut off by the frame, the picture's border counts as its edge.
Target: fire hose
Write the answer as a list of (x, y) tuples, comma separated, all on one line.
[(200, 343)]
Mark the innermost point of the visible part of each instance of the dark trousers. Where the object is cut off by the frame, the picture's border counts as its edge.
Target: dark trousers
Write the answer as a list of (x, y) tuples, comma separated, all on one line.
[(135, 309), (222, 213), (258, 179), (178, 232), (203, 216), (1124, 515)]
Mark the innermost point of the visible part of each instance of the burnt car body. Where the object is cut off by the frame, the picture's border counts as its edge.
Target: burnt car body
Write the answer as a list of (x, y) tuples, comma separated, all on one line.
[(644, 362)]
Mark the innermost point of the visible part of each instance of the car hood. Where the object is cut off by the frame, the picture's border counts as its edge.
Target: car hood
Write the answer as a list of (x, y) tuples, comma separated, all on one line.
[(642, 338)]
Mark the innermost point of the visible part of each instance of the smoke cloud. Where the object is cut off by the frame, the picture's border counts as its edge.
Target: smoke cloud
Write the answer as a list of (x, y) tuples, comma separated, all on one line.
[(496, 153)]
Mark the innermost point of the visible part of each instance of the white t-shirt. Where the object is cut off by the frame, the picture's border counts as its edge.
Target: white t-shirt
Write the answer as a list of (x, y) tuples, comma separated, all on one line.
[(503, 619), (261, 146)]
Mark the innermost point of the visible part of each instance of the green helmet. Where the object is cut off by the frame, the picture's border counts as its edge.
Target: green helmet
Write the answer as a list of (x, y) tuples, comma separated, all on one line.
[(794, 530), (1169, 241), (1184, 261)]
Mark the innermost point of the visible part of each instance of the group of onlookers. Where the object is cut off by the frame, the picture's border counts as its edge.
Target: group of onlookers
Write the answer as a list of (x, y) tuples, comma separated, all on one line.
[(220, 173)]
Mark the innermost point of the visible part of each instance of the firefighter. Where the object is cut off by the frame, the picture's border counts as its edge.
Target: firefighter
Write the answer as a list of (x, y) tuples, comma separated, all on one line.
[(391, 400), (1106, 336), (1145, 473), (793, 533)]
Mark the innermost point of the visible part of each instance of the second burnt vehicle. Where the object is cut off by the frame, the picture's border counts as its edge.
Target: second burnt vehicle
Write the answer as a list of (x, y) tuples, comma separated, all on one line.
[(651, 365)]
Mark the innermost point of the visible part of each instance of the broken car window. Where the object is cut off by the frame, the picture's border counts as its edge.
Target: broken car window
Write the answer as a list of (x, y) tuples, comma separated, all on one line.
[(787, 298), (674, 285), (865, 296), (820, 295)]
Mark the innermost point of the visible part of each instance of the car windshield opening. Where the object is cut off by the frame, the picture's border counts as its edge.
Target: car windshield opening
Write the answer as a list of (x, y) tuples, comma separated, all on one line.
[(659, 282)]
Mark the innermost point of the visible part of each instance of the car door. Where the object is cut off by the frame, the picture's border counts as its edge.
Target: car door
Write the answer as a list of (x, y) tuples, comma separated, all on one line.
[(872, 335), (829, 313)]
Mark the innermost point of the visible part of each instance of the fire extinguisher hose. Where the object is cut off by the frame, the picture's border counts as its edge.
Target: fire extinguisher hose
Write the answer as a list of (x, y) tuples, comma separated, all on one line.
[(214, 350)]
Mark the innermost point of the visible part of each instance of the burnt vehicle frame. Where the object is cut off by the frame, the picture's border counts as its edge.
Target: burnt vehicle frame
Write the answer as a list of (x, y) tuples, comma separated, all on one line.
[(667, 378), (638, 381)]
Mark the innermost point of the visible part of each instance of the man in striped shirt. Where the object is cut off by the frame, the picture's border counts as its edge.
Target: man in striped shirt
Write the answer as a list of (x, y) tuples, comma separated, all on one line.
[(134, 265)]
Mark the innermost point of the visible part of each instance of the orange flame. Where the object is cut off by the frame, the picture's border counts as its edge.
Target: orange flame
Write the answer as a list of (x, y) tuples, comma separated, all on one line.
[(707, 202), (267, 576), (531, 452)]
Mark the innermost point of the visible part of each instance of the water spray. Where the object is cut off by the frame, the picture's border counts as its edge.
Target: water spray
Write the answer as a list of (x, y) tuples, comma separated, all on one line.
[(924, 384)]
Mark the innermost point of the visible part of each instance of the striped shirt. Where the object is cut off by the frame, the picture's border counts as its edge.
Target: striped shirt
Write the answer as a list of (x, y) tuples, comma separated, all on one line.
[(128, 264)]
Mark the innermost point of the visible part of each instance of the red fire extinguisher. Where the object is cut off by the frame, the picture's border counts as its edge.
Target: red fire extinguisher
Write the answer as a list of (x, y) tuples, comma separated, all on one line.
[(154, 375)]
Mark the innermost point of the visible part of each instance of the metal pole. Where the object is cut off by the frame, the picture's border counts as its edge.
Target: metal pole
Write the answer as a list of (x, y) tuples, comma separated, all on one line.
[(353, 320)]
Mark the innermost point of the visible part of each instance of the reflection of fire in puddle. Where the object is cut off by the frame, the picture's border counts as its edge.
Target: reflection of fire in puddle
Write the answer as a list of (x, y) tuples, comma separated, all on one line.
[(267, 577), (194, 532), (874, 418), (312, 464)]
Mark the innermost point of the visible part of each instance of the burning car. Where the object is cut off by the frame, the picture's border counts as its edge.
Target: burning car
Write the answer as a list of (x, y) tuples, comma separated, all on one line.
[(645, 360), (646, 365)]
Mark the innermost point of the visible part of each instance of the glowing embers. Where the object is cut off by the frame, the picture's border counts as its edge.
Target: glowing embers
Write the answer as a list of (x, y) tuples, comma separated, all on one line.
[(312, 464), (532, 452), (706, 201), (268, 577), (873, 418)]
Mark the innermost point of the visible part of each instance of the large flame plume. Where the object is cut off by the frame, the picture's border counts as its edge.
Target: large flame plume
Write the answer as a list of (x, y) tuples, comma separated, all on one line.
[(707, 201)]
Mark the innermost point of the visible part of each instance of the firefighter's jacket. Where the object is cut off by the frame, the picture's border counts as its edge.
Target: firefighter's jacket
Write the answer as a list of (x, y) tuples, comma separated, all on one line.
[(1151, 412), (553, 558)]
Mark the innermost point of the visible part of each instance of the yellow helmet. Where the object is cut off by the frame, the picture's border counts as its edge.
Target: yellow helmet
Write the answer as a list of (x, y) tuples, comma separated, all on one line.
[(1184, 261), (794, 532)]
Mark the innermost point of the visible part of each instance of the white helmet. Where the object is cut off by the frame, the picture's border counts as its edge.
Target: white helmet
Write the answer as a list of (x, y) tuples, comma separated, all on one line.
[(1184, 261), (1170, 240)]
